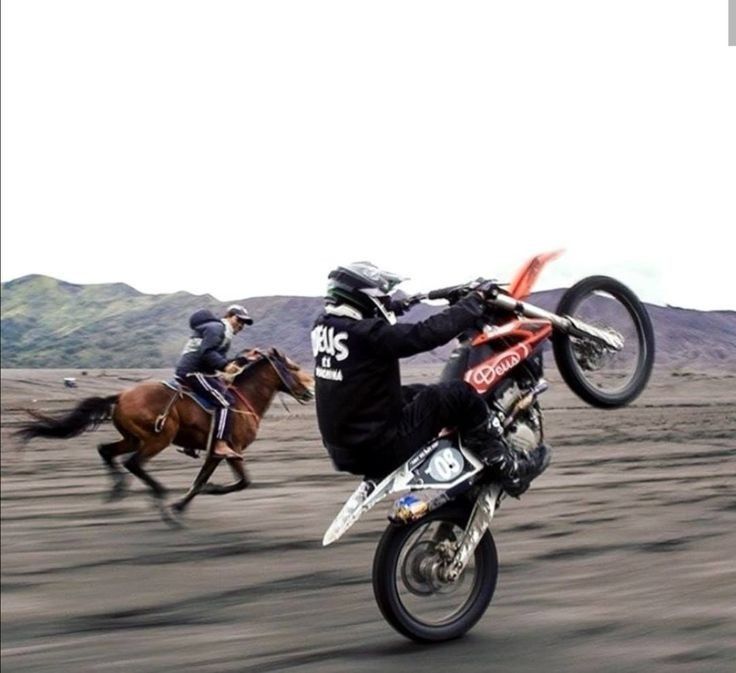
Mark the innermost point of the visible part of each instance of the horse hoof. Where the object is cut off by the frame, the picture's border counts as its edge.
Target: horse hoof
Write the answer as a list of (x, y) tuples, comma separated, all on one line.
[(117, 492), (170, 515), (178, 507)]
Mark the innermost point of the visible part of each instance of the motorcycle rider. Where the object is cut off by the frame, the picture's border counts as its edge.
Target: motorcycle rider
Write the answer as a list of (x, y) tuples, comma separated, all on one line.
[(369, 422)]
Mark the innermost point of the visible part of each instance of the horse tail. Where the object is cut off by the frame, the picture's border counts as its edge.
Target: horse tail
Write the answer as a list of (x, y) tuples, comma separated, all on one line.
[(87, 415)]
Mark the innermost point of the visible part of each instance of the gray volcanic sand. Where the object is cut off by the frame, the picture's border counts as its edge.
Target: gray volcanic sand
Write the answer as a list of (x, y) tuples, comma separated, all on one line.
[(620, 558)]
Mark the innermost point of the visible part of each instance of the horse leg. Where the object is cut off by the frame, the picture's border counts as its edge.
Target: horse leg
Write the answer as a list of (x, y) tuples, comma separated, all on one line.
[(210, 463), (243, 481), (134, 465), (108, 452)]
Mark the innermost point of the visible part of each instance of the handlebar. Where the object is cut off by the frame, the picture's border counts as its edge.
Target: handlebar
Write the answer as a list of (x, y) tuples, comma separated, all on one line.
[(446, 292), (488, 288)]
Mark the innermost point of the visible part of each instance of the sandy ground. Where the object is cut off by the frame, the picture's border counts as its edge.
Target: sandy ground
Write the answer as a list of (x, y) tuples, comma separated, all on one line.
[(620, 558)]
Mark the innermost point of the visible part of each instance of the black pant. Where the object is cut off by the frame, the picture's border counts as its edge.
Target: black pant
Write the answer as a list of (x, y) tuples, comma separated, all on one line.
[(216, 392), (427, 411)]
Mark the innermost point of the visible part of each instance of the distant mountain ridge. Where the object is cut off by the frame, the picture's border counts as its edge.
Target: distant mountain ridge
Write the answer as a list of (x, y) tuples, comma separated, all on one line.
[(46, 322)]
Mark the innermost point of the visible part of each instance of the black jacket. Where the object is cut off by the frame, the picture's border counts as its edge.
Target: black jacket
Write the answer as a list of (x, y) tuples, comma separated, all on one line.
[(206, 349), (357, 378)]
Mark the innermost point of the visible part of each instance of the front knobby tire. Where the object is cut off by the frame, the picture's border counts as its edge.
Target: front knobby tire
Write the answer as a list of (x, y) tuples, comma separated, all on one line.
[(417, 608), (605, 302)]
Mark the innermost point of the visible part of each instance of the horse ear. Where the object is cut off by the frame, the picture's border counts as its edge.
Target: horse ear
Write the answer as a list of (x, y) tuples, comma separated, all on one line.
[(248, 356), (277, 353)]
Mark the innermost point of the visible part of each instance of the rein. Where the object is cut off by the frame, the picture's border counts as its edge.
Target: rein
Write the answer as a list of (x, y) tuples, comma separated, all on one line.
[(286, 379), (245, 402)]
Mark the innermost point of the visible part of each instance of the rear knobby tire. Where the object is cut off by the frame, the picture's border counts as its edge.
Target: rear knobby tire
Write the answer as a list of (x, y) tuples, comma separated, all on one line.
[(563, 347), (387, 575)]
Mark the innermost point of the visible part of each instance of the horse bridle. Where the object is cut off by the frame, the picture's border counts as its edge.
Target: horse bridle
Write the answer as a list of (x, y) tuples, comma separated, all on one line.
[(277, 361)]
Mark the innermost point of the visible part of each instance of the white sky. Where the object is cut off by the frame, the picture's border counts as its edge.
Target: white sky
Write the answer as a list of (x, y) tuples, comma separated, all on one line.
[(245, 148)]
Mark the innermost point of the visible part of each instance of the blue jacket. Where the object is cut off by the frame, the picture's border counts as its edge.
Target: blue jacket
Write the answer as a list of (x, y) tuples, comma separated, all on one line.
[(206, 349)]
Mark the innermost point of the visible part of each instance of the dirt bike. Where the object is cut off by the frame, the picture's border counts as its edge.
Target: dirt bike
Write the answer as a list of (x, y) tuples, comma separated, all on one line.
[(435, 568)]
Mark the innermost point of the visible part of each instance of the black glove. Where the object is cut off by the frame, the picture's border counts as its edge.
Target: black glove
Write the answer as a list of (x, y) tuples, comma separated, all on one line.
[(401, 306), (487, 289)]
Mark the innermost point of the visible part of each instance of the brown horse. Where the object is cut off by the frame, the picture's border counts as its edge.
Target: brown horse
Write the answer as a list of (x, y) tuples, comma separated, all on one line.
[(151, 416)]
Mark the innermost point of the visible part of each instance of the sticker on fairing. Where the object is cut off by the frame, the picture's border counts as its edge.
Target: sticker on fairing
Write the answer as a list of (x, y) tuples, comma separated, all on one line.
[(446, 464)]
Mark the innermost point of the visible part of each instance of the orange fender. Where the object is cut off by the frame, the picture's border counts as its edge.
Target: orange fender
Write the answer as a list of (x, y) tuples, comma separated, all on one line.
[(526, 276)]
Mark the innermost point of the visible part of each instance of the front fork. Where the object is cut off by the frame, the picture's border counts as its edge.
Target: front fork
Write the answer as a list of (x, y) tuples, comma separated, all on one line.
[(572, 326), (478, 524)]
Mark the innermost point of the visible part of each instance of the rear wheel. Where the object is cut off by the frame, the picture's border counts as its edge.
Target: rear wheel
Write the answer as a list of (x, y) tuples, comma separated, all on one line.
[(408, 584), (599, 375)]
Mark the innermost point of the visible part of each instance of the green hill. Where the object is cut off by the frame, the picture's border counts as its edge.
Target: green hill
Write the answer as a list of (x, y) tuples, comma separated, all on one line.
[(51, 323)]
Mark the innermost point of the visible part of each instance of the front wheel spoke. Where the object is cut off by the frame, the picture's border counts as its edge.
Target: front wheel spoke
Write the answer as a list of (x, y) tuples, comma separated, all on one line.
[(419, 575)]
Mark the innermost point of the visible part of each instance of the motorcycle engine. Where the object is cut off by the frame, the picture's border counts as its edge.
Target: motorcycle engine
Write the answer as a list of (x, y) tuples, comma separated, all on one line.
[(525, 432)]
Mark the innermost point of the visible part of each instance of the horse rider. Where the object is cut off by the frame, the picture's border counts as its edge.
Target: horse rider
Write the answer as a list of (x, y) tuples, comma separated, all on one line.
[(203, 356), (369, 423)]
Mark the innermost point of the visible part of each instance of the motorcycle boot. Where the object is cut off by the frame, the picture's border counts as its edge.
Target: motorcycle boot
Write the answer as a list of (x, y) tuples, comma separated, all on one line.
[(522, 467), (514, 469), (486, 440)]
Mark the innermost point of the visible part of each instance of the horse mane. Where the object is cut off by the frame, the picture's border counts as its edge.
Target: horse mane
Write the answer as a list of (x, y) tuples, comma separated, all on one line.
[(246, 360)]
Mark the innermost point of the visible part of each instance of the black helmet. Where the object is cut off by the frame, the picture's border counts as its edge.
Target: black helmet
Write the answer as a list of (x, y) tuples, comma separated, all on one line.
[(364, 286)]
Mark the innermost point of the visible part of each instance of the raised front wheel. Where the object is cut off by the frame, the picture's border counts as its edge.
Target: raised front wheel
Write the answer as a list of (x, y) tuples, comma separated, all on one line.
[(599, 375)]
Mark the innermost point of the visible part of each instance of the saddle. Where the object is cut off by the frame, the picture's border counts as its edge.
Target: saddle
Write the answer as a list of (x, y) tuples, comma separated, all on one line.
[(182, 388)]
